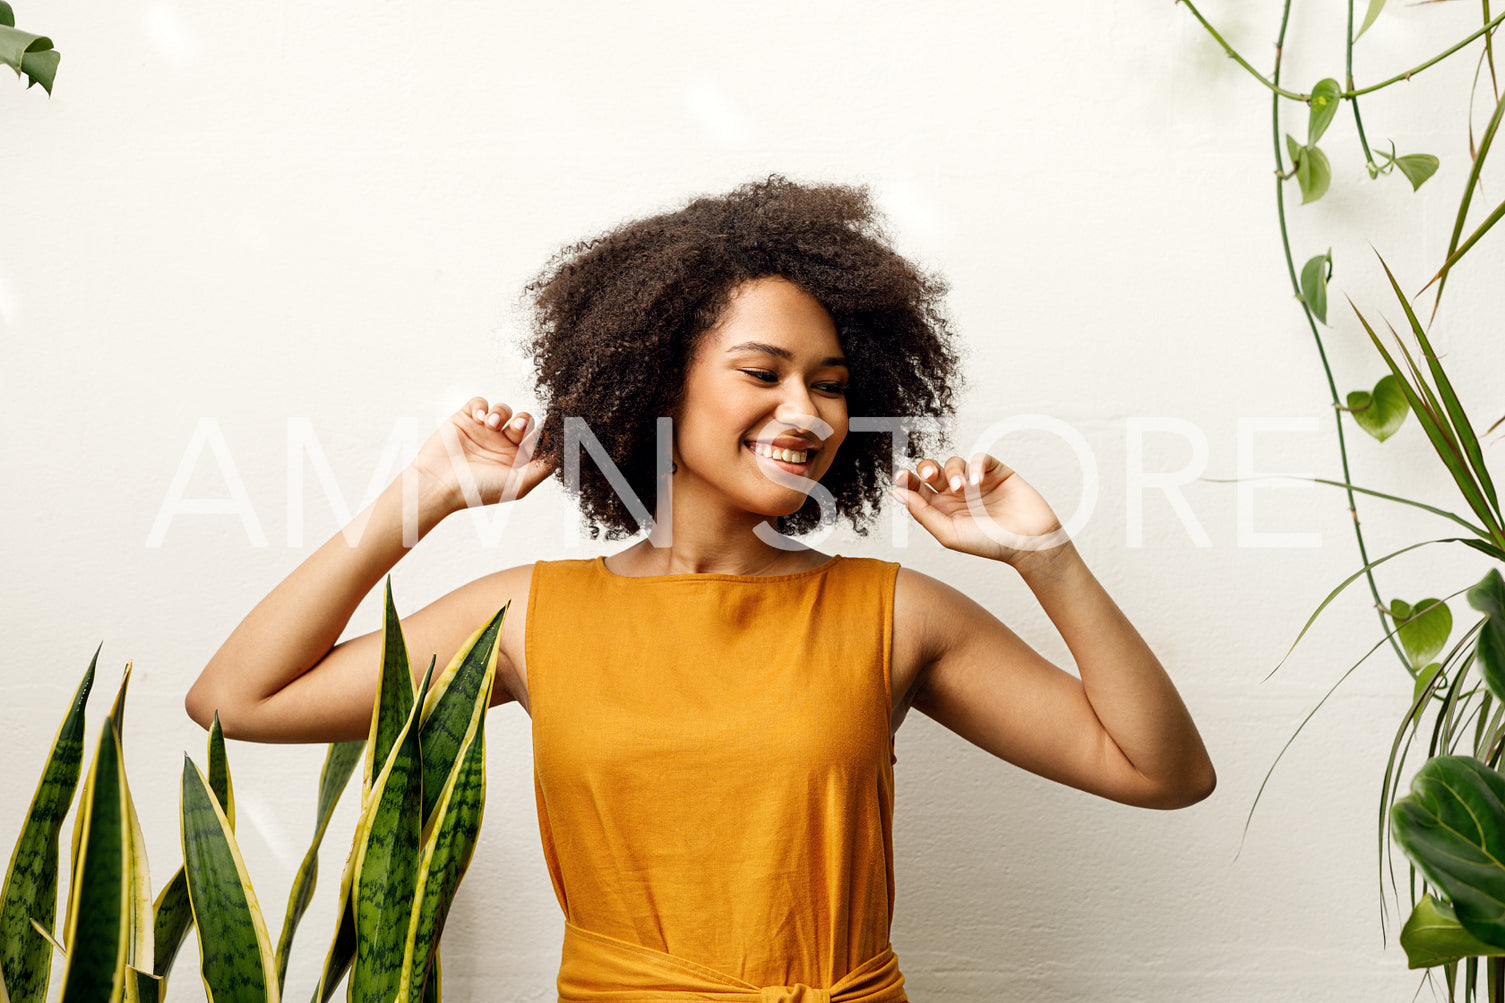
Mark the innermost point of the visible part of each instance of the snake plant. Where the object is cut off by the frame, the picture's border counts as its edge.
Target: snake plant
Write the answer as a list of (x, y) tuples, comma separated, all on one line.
[(422, 798)]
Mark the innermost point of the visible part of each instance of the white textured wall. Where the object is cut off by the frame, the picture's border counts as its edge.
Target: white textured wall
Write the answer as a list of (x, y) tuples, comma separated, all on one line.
[(325, 211)]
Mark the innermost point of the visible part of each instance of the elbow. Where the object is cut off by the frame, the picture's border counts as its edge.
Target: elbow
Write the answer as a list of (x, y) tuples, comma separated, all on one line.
[(198, 706), (1198, 785)]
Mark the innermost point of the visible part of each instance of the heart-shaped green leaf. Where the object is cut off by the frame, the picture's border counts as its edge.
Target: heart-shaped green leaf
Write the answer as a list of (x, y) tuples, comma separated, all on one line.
[(1313, 174), (1380, 413), (1452, 826), (1433, 936), (1488, 597), (1423, 629), (1324, 105), (1314, 276), (1417, 167)]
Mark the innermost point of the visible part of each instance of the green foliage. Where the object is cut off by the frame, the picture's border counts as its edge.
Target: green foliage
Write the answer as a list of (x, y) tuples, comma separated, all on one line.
[(1382, 410), (30, 55), (1433, 936), (411, 850), (1314, 278), (1313, 172)]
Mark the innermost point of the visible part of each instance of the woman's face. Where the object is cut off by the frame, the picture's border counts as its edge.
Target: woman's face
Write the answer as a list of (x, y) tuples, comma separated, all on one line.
[(768, 377)]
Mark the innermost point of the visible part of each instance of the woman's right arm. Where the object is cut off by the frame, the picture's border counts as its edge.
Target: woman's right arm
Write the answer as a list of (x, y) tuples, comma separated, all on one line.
[(280, 677)]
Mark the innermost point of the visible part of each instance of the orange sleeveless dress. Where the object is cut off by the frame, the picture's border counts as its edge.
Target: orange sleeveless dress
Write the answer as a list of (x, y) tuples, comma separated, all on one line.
[(713, 766)]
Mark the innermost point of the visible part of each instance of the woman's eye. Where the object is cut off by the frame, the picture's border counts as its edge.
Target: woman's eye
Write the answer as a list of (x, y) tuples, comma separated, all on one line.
[(834, 388), (762, 374)]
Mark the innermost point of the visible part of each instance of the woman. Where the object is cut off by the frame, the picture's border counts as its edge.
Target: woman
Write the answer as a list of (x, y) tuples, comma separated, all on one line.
[(713, 707)]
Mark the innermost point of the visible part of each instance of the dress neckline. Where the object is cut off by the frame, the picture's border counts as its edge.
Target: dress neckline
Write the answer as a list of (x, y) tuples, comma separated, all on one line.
[(692, 576)]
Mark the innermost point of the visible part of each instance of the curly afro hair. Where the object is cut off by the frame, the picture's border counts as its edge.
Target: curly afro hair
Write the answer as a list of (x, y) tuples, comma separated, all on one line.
[(617, 320)]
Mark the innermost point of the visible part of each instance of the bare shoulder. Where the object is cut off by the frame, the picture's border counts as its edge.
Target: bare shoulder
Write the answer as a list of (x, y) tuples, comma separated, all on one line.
[(477, 601), (927, 611)]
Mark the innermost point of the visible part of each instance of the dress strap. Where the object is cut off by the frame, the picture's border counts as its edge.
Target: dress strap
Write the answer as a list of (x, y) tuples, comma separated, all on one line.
[(596, 968)]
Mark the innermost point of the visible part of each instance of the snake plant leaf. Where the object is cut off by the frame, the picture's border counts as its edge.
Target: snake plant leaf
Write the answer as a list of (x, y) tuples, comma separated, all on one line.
[(1433, 936), (1417, 167), (1375, 6), (1382, 411), (451, 834), (172, 914), (394, 697), (450, 706), (138, 954), (386, 867), (1314, 276), (431, 985), (1324, 104), (339, 763), (234, 949), (1423, 628), (1452, 826), (30, 889), (342, 947), (1488, 597), (1313, 174), (99, 911), (446, 856)]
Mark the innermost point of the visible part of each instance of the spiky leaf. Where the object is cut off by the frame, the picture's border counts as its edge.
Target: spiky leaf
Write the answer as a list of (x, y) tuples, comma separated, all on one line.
[(98, 910), (450, 705), (30, 888), (394, 697), (235, 951), (339, 763)]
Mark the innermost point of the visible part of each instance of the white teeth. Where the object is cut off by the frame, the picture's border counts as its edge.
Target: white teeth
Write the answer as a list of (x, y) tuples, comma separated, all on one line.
[(787, 455)]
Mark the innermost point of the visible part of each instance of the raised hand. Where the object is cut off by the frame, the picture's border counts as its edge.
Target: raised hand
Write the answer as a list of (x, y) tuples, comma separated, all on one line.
[(483, 453), (981, 508)]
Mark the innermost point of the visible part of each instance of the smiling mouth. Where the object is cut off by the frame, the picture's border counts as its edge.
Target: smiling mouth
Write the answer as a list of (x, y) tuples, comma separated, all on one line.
[(794, 461)]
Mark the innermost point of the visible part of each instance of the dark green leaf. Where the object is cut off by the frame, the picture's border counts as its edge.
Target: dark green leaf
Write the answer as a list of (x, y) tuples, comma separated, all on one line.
[(32, 55), (1433, 936), (219, 772), (1324, 104), (30, 888), (394, 696), (386, 870), (1314, 276), (1488, 597), (7, 16), (233, 945), (1417, 167), (1452, 826), (449, 708), (339, 763), (98, 910)]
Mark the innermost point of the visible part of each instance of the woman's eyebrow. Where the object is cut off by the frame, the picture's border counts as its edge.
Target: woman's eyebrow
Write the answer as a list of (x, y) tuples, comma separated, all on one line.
[(782, 353)]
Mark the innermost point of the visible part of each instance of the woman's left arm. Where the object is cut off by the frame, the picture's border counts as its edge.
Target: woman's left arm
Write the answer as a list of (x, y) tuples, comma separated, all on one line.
[(1121, 730)]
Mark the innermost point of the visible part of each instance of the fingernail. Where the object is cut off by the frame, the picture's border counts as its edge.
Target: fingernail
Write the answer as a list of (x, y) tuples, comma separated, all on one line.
[(956, 482), (519, 422), (494, 420), (480, 415), (896, 495)]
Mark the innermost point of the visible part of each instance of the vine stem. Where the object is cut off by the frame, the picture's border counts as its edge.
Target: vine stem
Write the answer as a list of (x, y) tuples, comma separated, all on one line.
[(1358, 119), (1285, 243), (1352, 92)]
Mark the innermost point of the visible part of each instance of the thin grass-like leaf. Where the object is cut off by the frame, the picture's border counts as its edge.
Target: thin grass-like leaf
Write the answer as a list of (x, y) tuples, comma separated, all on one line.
[(1463, 429), (1447, 450), (30, 889), (1468, 193), (99, 909), (1347, 582), (234, 948), (339, 763)]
